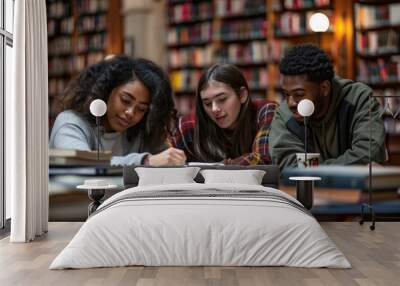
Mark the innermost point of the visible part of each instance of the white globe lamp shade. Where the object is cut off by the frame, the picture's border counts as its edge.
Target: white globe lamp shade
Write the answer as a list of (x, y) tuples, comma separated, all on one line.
[(98, 107), (305, 107), (319, 22)]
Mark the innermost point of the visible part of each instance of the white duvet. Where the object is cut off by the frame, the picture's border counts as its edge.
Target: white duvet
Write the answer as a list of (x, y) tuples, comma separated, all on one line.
[(265, 229)]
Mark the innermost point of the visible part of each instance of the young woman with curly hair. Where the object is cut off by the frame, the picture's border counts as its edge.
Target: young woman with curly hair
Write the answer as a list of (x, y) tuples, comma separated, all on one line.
[(228, 126), (139, 112)]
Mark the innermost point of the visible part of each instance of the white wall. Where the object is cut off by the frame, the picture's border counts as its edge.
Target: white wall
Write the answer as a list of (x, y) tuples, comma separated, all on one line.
[(145, 22)]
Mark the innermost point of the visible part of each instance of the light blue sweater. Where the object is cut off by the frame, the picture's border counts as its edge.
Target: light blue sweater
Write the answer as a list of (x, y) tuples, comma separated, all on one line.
[(72, 131)]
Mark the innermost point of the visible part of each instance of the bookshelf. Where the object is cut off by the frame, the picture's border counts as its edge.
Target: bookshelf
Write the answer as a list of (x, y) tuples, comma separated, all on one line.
[(241, 39), (251, 34), (201, 33), (189, 45), (291, 27), (80, 33), (377, 51)]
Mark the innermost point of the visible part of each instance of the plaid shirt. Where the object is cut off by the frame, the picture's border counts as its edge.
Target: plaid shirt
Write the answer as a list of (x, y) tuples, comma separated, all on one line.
[(183, 137)]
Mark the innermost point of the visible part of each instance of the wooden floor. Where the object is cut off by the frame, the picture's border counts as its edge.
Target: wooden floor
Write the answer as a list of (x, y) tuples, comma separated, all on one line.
[(374, 255)]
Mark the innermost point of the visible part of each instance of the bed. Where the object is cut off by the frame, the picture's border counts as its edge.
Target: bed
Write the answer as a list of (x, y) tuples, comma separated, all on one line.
[(201, 224)]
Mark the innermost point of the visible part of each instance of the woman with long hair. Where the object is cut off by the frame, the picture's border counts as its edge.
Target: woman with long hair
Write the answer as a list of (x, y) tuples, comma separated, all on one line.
[(228, 126), (139, 112)]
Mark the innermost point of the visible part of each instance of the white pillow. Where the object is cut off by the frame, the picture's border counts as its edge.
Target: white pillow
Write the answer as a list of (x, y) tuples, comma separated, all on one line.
[(165, 176), (248, 177)]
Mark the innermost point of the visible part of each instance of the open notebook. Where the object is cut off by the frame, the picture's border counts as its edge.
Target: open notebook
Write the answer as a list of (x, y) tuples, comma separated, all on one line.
[(205, 164)]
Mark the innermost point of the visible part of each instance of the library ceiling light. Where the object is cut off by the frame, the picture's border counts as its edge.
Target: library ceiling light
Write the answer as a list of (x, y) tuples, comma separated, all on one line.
[(319, 22)]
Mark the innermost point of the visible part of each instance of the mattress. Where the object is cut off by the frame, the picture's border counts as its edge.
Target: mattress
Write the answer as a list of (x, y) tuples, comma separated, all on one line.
[(201, 225)]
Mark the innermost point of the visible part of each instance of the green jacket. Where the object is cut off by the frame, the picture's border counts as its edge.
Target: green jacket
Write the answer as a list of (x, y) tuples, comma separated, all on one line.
[(341, 137)]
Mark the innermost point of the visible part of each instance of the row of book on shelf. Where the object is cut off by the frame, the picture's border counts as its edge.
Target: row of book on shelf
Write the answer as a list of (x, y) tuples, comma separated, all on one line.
[(68, 65), (243, 29), (287, 23), (229, 31), (280, 5), (197, 33), (253, 52), (85, 43), (192, 56), (93, 23), (67, 25), (92, 6), (197, 11), (60, 8), (250, 53), (93, 42), (60, 46), (186, 80), (294, 23), (378, 42), (372, 16), (85, 24), (379, 71), (226, 8), (247, 53), (64, 26), (190, 12)]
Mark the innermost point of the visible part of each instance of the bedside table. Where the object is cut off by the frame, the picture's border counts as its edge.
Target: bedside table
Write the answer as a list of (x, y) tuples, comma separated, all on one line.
[(96, 190), (305, 190)]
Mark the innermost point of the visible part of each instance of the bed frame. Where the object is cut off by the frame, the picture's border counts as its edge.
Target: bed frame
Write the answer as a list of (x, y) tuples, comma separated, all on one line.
[(270, 179)]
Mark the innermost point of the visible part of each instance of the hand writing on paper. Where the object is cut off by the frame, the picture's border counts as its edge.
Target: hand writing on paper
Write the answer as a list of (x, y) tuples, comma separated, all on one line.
[(171, 156)]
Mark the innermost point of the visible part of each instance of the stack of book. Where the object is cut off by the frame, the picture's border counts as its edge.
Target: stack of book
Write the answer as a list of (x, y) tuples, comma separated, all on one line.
[(68, 157)]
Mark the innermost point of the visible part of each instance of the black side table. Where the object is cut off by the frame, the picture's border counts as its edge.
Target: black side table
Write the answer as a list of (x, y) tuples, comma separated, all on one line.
[(305, 190), (96, 190)]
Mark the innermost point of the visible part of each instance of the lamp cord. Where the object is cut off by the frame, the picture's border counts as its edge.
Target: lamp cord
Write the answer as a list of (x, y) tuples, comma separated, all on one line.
[(305, 141), (98, 137)]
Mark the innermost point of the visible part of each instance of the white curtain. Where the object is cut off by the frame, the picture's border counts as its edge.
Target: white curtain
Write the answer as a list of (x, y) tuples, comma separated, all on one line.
[(27, 124)]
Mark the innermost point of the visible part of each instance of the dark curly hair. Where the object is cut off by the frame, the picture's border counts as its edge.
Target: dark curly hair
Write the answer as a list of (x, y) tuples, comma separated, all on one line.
[(98, 81), (307, 59)]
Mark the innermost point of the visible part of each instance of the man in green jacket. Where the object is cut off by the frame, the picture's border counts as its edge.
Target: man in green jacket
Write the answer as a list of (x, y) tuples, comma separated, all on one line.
[(339, 128)]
